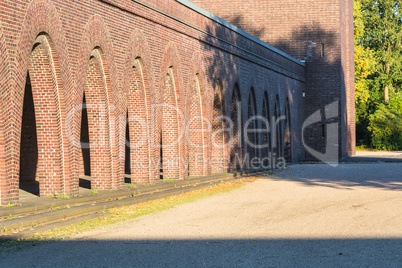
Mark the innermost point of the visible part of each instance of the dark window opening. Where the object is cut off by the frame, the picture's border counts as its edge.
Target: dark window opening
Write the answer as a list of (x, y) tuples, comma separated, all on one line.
[(85, 147), (29, 154), (161, 158), (127, 169)]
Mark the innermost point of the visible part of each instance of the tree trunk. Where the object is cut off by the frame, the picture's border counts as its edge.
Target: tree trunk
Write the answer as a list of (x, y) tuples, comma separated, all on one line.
[(386, 95)]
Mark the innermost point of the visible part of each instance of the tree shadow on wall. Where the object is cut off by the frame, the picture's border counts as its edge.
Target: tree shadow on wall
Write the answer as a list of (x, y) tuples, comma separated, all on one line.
[(239, 21), (308, 43), (325, 80), (219, 57), (314, 45)]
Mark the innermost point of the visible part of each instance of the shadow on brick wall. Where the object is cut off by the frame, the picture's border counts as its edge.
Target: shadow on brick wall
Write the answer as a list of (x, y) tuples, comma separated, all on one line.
[(320, 50), (307, 43), (325, 84)]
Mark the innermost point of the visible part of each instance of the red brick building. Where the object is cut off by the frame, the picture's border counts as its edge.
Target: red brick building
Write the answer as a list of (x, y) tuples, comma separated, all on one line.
[(318, 32), (103, 89)]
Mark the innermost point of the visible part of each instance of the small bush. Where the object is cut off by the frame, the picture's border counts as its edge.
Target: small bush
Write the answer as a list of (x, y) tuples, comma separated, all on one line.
[(94, 191), (386, 128)]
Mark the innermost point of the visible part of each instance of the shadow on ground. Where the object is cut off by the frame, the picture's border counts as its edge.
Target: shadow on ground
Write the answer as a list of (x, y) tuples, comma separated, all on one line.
[(346, 176), (211, 253)]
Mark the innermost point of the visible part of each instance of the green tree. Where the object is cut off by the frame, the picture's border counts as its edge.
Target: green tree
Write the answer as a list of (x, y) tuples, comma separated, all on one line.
[(386, 124), (365, 66), (364, 57), (378, 62), (382, 34)]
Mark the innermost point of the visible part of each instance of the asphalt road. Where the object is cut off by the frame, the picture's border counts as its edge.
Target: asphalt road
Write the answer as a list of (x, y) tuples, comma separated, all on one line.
[(306, 216)]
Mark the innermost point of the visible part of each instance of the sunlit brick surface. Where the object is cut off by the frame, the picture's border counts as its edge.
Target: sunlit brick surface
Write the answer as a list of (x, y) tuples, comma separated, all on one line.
[(161, 69)]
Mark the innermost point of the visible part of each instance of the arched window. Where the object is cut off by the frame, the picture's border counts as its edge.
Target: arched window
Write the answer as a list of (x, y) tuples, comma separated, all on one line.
[(170, 139), (197, 163), (266, 148), (287, 134), (218, 131), (236, 155), (41, 148), (278, 130), (98, 118), (251, 132), (138, 151)]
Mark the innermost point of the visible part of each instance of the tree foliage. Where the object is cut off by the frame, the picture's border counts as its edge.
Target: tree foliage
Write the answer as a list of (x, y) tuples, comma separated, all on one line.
[(378, 75), (386, 124), (364, 57)]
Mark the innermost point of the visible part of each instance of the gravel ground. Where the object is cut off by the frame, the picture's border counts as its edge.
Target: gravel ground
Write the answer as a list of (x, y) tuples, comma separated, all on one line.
[(305, 216)]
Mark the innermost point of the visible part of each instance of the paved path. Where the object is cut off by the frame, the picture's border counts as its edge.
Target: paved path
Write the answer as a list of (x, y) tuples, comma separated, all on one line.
[(376, 156), (306, 216), (385, 154)]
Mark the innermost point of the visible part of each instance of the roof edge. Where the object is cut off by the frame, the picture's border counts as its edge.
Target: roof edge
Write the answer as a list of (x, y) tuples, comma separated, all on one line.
[(230, 26)]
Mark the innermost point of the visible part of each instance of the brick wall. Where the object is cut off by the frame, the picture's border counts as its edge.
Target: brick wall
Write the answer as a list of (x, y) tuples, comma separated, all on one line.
[(319, 32), (130, 59)]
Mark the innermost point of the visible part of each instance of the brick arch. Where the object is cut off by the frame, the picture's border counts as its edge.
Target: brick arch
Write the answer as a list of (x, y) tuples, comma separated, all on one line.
[(139, 89), (172, 61), (287, 132), (138, 47), (250, 83), (52, 170), (277, 128), (171, 116), (230, 77), (250, 127), (198, 125), (219, 135), (266, 135), (41, 19), (97, 90), (236, 139), (4, 89), (230, 91), (227, 81), (97, 34), (139, 116), (67, 184), (44, 85), (96, 42)]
